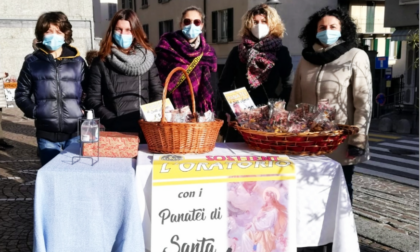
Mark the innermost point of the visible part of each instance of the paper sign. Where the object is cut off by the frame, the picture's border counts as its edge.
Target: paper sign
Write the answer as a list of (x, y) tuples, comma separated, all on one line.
[(239, 100), (223, 203), (152, 112)]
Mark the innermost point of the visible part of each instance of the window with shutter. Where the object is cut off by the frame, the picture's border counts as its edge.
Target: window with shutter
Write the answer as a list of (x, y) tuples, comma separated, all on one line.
[(165, 26), (222, 26), (112, 9)]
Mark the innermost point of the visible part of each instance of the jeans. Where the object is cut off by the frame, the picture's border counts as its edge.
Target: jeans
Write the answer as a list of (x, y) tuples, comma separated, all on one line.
[(48, 150), (348, 174)]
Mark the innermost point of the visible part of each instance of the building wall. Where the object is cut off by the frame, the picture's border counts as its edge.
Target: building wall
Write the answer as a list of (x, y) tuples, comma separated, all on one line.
[(358, 12), (295, 15), (397, 15), (17, 28), (291, 12), (101, 16)]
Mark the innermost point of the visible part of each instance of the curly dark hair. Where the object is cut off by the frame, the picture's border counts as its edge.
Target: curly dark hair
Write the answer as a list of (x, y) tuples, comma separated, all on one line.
[(348, 27)]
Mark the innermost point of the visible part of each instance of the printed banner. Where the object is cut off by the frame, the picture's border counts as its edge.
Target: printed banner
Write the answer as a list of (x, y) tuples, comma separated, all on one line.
[(223, 203)]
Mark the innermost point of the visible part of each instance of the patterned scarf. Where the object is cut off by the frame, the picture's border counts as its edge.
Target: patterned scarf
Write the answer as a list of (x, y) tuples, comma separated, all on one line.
[(173, 51), (259, 57)]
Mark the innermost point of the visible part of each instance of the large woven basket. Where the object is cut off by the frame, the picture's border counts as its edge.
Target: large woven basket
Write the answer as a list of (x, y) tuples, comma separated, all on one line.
[(180, 138), (301, 144)]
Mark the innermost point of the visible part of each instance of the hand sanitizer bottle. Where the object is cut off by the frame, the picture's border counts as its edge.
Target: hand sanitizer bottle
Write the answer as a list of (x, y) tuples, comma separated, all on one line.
[(90, 129)]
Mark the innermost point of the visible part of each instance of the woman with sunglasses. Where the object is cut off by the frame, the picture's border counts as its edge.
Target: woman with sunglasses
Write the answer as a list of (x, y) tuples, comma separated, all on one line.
[(188, 49), (124, 75), (260, 63)]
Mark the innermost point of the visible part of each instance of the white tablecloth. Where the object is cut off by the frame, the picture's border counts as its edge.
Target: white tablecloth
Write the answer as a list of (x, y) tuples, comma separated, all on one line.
[(324, 213), (88, 208)]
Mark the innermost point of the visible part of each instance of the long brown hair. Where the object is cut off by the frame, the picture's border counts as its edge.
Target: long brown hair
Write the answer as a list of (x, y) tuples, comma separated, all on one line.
[(139, 36)]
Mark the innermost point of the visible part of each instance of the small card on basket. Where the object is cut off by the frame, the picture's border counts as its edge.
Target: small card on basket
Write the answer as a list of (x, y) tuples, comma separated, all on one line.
[(113, 144), (152, 112), (239, 100)]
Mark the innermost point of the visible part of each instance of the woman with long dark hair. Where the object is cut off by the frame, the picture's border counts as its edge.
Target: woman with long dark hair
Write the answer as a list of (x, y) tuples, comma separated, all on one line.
[(333, 68), (187, 48), (124, 75)]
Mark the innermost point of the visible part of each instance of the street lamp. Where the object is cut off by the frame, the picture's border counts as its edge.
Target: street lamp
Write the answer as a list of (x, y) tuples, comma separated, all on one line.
[(273, 2)]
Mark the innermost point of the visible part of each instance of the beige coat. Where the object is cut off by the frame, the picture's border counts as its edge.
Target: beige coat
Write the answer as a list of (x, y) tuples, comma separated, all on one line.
[(347, 84)]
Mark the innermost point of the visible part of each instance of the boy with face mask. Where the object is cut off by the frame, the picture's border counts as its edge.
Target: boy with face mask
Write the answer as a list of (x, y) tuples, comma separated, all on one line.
[(53, 74), (260, 63)]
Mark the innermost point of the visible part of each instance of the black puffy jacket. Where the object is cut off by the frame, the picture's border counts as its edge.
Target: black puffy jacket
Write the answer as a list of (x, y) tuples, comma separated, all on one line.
[(116, 97), (57, 87)]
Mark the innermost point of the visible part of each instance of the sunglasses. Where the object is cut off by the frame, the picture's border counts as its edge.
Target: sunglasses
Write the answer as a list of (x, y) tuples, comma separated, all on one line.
[(197, 22)]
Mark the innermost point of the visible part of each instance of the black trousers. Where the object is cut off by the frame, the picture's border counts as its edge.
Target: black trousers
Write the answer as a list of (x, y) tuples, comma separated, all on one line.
[(348, 175)]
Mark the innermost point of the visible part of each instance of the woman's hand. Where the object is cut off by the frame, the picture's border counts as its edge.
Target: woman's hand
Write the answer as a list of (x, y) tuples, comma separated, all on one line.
[(354, 151)]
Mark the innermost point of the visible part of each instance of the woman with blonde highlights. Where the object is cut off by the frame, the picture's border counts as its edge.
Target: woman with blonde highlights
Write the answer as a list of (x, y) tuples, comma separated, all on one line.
[(260, 63)]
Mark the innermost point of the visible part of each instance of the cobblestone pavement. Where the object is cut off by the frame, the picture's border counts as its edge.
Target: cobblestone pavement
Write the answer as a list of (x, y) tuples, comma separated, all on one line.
[(387, 212), (18, 168)]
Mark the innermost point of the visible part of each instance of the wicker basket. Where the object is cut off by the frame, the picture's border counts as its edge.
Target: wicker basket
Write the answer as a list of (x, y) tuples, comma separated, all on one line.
[(301, 144), (180, 138)]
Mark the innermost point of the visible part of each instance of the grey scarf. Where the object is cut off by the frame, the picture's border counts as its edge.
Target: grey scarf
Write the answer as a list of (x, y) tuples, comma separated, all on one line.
[(136, 63)]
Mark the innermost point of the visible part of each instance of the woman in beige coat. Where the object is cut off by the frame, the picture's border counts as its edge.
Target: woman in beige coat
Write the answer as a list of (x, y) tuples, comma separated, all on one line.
[(333, 68)]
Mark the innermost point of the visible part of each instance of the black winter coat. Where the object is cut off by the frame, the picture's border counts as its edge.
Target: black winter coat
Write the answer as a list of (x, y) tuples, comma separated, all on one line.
[(234, 76), (57, 88), (116, 97)]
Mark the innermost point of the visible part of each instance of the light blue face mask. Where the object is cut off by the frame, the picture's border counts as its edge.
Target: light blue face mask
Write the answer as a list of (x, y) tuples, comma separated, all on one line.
[(191, 31), (53, 41), (123, 40), (328, 37)]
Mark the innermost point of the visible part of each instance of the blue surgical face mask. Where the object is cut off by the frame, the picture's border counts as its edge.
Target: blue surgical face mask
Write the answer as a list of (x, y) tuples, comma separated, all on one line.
[(328, 37), (53, 41), (123, 40), (191, 31)]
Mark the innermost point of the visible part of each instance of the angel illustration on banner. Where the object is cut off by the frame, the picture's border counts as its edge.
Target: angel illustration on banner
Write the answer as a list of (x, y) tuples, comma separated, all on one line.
[(265, 232)]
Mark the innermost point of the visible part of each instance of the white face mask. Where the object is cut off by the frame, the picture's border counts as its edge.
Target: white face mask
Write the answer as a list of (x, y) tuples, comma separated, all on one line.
[(260, 30)]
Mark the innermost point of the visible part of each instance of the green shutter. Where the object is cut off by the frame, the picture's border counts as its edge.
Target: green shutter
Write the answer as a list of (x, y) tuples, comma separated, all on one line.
[(387, 47), (375, 44), (399, 50), (370, 16)]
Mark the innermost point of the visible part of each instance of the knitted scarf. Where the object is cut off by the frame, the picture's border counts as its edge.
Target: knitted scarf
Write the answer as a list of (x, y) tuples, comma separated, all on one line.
[(259, 57), (136, 63), (173, 51), (322, 58)]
